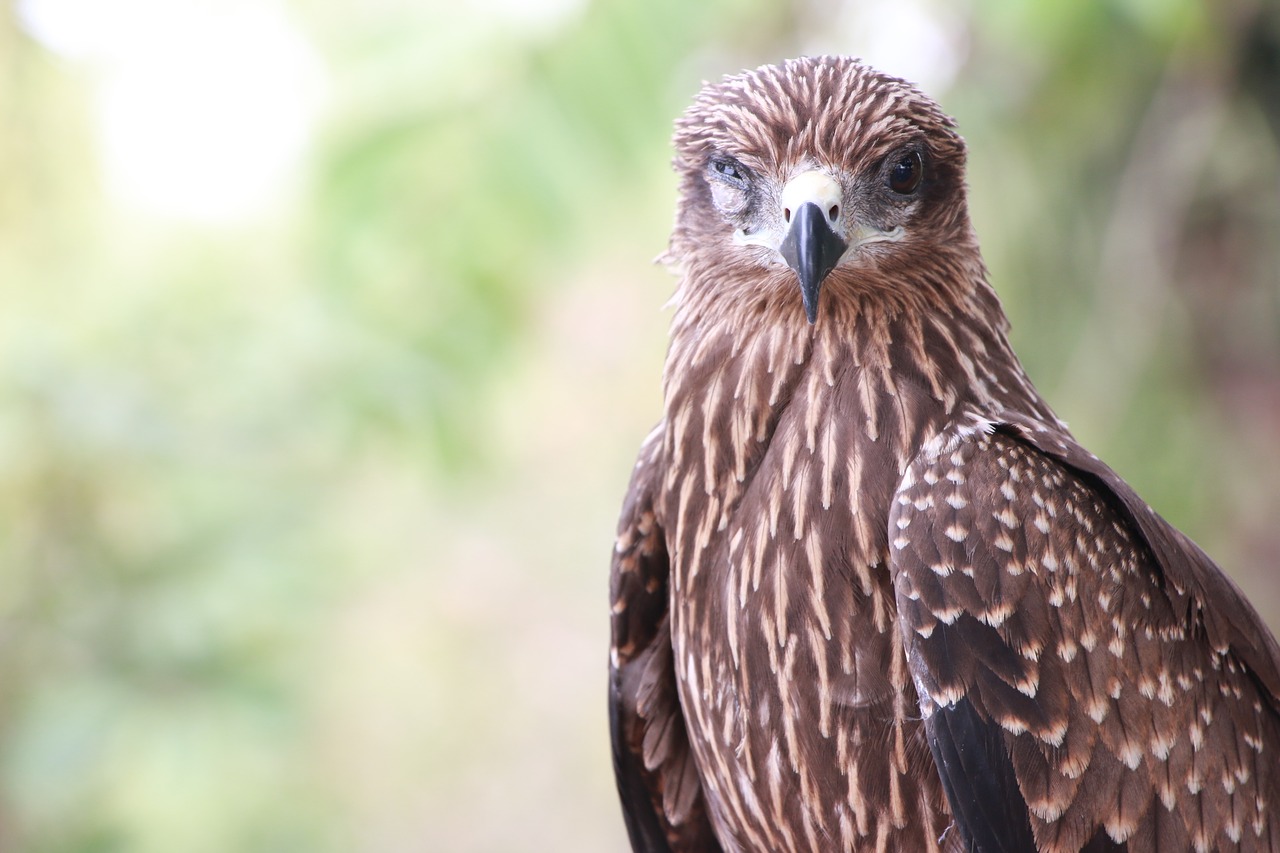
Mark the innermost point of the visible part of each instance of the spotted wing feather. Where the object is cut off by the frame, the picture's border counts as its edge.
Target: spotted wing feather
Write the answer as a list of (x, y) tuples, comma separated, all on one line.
[(1053, 622), (657, 778)]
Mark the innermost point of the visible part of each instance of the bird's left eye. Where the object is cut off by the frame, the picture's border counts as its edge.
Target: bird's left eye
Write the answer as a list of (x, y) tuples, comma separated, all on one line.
[(905, 175), (729, 170)]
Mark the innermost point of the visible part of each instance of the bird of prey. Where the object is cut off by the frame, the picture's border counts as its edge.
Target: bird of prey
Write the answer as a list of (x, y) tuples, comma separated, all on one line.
[(868, 593)]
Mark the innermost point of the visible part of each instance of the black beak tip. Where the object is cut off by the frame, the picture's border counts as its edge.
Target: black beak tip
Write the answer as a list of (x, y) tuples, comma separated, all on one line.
[(811, 248), (811, 307)]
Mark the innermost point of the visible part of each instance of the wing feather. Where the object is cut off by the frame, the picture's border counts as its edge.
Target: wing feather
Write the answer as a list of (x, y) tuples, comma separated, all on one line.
[(653, 763), (1065, 637)]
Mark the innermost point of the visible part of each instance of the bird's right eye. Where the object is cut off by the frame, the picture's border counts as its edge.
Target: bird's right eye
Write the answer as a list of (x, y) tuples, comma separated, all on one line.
[(729, 170), (904, 175)]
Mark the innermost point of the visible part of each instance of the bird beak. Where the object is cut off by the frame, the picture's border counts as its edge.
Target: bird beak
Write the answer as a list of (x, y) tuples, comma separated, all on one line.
[(812, 247)]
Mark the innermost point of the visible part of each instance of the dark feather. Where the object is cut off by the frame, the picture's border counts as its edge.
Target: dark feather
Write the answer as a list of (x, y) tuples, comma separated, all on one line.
[(646, 831), (979, 780)]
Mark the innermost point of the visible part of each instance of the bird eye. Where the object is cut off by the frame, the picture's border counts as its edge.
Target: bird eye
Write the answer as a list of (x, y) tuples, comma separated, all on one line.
[(905, 175), (729, 170)]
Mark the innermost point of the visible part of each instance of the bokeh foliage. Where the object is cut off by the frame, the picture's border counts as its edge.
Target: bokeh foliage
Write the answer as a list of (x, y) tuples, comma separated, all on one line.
[(306, 520)]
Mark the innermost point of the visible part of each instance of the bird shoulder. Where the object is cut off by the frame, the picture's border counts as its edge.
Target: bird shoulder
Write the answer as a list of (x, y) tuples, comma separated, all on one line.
[(1068, 656)]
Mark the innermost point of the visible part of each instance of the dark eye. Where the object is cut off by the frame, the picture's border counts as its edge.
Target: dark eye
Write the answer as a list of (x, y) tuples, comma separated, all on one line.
[(729, 170), (905, 174)]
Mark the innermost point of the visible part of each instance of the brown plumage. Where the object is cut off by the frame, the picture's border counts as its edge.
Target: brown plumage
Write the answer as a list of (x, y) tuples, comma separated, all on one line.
[(868, 593)]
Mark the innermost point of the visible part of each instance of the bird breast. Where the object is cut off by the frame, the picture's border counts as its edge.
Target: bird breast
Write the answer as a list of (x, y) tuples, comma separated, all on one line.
[(780, 474)]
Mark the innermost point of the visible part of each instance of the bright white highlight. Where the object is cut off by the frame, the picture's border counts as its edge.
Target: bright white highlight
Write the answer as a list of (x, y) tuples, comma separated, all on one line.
[(205, 109), (918, 40)]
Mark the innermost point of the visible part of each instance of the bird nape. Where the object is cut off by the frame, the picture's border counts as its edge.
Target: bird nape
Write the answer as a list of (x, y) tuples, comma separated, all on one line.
[(868, 593)]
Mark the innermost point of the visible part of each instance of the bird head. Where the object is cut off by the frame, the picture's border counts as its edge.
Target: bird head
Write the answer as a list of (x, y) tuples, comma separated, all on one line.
[(814, 170)]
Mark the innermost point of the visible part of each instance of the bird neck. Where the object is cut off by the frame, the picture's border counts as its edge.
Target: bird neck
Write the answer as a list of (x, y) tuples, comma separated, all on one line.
[(893, 369)]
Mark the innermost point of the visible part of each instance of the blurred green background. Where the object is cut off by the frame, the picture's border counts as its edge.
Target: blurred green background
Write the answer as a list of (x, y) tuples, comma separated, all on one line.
[(328, 332)]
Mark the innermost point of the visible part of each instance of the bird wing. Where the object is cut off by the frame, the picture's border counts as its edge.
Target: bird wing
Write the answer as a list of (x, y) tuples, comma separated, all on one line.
[(1086, 674), (657, 778)]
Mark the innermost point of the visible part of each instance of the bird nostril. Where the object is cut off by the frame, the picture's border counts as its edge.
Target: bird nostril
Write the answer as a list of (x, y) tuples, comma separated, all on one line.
[(834, 212), (786, 214)]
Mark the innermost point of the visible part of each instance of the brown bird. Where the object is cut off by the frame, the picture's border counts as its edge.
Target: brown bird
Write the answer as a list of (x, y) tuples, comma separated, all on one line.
[(868, 592)]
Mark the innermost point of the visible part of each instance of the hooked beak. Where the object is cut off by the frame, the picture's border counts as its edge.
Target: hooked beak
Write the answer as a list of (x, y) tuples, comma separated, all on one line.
[(811, 204)]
